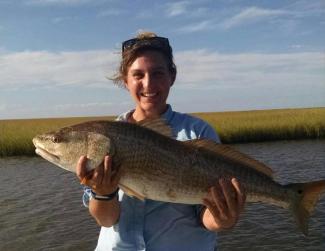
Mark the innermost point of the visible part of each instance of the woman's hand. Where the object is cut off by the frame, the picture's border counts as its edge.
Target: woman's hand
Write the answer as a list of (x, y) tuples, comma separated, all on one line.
[(102, 180), (224, 204)]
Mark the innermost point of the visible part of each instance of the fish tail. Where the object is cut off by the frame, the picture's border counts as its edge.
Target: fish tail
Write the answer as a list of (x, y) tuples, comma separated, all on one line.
[(305, 200)]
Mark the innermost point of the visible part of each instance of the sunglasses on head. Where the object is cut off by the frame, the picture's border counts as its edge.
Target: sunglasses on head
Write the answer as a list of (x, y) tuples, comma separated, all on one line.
[(156, 42)]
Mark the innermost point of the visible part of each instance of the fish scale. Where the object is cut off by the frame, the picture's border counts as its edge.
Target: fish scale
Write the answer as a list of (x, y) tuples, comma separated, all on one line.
[(155, 166)]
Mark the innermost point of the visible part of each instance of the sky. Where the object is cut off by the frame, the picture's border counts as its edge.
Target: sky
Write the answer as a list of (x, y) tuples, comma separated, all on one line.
[(56, 56)]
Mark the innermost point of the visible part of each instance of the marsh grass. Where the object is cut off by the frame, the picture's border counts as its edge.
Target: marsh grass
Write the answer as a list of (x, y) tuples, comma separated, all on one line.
[(233, 127), (267, 125)]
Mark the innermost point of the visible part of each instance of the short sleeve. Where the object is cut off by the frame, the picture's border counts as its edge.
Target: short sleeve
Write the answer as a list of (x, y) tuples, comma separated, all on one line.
[(209, 133)]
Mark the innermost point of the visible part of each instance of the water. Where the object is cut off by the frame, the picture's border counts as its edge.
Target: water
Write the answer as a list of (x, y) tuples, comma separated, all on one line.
[(265, 227), (41, 208)]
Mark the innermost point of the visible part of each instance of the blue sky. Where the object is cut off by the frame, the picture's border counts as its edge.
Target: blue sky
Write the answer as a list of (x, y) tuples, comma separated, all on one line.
[(56, 55)]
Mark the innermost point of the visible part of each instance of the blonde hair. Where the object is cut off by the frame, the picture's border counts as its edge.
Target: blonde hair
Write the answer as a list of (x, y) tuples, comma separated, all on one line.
[(145, 34), (130, 55)]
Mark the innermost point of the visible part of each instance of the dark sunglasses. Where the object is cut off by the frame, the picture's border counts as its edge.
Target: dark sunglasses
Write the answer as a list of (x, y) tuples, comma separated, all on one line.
[(156, 42)]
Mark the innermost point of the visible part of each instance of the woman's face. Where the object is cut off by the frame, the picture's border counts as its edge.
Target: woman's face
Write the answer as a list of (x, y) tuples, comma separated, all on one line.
[(148, 81)]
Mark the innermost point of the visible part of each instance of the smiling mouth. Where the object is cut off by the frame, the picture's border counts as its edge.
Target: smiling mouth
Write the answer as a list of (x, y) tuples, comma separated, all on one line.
[(149, 94)]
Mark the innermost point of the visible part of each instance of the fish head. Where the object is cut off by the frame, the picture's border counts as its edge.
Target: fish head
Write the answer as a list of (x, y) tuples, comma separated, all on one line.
[(65, 147)]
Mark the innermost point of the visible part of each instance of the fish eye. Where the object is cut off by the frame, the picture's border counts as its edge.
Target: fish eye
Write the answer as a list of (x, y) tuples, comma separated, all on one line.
[(55, 139)]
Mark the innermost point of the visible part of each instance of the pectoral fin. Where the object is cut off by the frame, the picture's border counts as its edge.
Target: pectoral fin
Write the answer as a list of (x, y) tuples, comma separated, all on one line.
[(98, 146)]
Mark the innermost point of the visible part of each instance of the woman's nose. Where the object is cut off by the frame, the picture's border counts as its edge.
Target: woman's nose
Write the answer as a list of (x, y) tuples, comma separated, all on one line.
[(147, 80)]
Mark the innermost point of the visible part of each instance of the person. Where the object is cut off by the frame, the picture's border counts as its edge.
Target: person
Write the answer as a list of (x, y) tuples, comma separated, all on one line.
[(148, 72)]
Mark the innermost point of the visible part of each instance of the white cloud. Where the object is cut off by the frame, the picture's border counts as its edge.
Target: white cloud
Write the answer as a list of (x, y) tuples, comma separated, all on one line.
[(60, 2), (44, 69), (58, 20), (84, 106), (143, 14), (110, 12), (307, 7), (251, 14), (3, 107), (205, 69), (196, 69), (176, 9), (296, 46), (74, 108), (231, 76), (197, 27), (186, 9)]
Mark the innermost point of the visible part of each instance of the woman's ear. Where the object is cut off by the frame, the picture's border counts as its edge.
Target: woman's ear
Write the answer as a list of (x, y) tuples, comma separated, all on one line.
[(173, 77), (126, 86)]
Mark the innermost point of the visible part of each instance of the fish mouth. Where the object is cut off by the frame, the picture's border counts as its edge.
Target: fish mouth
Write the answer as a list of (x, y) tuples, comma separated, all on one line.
[(47, 155), (44, 153)]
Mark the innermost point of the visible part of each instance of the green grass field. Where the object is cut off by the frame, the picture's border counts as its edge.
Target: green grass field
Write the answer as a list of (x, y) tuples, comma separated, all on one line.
[(233, 127), (267, 125)]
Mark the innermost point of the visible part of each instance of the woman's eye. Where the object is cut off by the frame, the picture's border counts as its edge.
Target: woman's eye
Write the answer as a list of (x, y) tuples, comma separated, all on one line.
[(137, 75), (159, 74)]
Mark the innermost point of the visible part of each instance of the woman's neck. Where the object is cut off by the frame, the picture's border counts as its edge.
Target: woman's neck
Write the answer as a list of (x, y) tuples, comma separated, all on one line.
[(140, 114)]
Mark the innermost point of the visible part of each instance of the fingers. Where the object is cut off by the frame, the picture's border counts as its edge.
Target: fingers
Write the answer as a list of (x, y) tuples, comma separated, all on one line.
[(213, 210), (230, 197), (219, 200), (98, 176), (108, 167), (81, 169), (103, 179), (241, 194), (225, 202), (106, 170)]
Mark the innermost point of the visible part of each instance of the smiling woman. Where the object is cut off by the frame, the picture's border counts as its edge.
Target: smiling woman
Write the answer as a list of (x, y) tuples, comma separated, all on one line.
[(148, 72)]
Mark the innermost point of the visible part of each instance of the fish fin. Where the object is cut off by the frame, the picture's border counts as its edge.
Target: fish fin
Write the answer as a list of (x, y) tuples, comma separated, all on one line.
[(131, 192), (158, 125), (232, 154), (98, 146), (305, 202)]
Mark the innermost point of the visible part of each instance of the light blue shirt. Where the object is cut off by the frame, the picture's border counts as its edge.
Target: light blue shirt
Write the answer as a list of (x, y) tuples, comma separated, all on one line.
[(159, 226)]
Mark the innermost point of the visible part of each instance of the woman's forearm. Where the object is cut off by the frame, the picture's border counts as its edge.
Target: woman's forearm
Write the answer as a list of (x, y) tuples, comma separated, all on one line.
[(106, 213)]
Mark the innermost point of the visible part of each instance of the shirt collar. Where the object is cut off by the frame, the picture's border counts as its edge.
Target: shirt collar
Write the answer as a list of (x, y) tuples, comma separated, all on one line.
[(167, 115)]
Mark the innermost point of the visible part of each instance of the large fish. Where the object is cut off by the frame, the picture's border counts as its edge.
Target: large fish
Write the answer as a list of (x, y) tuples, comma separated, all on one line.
[(153, 165)]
